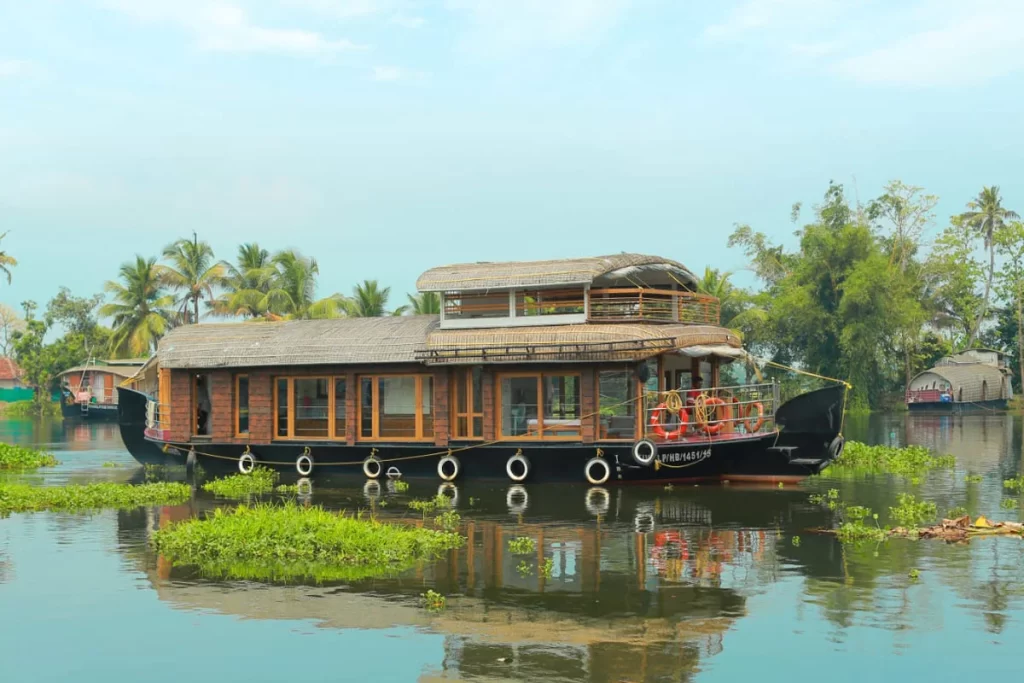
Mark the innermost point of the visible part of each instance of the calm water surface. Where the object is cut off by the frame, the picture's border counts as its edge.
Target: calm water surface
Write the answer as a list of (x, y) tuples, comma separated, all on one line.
[(694, 583)]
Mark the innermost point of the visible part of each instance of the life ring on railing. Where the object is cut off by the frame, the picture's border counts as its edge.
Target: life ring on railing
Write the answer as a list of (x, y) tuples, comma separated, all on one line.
[(448, 468), (659, 429), (246, 463), (517, 467), (753, 425), (603, 473), (703, 415), (372, 467), (304, 464)]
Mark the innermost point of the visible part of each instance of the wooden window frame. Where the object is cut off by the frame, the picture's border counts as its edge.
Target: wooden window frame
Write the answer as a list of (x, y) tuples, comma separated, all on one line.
[(375, 396), (331, 407), (470, 415), (637, 400), (238, 408), (499, 379)]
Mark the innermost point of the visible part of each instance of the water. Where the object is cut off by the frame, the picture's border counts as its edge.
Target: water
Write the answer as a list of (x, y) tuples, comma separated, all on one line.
[(696, 583)]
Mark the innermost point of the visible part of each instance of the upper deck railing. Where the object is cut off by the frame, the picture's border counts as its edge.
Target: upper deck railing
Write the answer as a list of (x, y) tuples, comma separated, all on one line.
[(699, 415), (625, 304)]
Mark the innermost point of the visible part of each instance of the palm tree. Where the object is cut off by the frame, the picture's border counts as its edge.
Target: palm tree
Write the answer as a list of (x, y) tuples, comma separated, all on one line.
[(194, 272), (734, 306), (986, 216), (369, 300), (139, 310), (246, 283), (426, 303), (6, 262), (293, 289)]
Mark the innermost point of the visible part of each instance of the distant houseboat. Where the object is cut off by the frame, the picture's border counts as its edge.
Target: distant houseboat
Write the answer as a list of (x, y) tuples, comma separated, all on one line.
[(594, 369), (89, 392), (976, 379)]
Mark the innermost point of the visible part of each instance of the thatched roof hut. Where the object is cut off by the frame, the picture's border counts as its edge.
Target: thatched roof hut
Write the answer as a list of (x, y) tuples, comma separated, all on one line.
[(485, 275), (967, 382)]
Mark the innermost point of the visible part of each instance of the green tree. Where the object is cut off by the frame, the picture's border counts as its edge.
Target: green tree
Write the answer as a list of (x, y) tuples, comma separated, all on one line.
[(292, 292), (140, 309), (986, 215), (247, 283), (1010, 286), (951, 276), (194, 272), (30, 352), (6, 261), (737, 308), (369, 300), (425, 303)]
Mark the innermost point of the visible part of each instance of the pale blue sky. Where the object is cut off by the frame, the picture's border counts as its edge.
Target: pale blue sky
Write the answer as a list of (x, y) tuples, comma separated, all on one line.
[(388, 136)]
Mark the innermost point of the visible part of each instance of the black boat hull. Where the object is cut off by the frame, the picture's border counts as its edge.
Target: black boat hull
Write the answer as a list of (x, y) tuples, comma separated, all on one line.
[(797, 451), (89, 412), (957, 408)]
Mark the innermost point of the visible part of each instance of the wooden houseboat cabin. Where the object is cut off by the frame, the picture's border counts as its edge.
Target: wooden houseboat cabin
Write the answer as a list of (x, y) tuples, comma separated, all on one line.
[(597, 369), (975, 379), (89, 391)]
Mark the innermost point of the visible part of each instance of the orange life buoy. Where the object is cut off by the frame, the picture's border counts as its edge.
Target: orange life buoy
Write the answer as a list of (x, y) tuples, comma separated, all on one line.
[(659, 429), (705, 421), (753, 425)]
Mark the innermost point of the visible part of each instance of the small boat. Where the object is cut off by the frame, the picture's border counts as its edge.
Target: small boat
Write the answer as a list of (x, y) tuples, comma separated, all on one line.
[(972, 380), (89, 391), (603, 369)]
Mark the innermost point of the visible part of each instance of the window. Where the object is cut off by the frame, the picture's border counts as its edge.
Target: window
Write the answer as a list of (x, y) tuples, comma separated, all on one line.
[(242, 404), (549, 302), (468, 404), (543, 406), (309, 408), (617, 393), (467, 306), (396, 407)]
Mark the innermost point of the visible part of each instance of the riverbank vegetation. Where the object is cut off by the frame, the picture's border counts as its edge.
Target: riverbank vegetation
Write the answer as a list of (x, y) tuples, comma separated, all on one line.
[(13, 457), (78, 498), (871, 292), (291, 542)]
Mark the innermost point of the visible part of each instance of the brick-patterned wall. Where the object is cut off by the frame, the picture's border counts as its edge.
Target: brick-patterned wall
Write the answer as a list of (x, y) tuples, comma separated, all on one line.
[(222, 405), (441, 411), (181, 405)]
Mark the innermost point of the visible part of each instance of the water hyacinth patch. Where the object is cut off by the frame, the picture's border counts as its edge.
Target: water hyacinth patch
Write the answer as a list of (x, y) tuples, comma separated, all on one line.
[(260, 480), (74, 498), (292, 542), (905, 461), (14, 457)]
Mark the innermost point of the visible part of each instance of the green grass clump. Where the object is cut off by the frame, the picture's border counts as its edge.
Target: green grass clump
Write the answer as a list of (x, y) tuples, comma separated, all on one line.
[(524, 545), (911, 512), (20, 458), (905, 461), (1016, 484), (292, 542), (260, 480), (433, 601), (859, 532), (1009, 503), (24, 498)]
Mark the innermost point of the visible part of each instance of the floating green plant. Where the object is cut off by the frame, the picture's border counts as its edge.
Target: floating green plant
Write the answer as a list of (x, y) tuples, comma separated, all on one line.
[(433, 601), (914, 574), (973, 478), (1016, 484), (448, 520), (290, 542), (1009, 503), (13, 457), (911, 512), (795, 541), (956, 513), (524, 545), (905, 461), (24, 498), (440, 501), (523, 568), (287, 489), (401, 486), (546, 568), (260, 480), (111, 465)]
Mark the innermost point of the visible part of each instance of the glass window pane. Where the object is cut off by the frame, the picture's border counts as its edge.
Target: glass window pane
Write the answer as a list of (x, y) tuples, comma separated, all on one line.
[(561, 405), (366, 407), (519, 406), (243, 404), (461, 390), (282, 407), (616, 404), (427, 401), (478, 427), (397, 407), (549, 302), (478, 391), (340, 421), (311, 406)]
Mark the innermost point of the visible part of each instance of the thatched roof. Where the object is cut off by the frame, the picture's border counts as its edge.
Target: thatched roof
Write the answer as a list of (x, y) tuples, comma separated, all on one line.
[(583, 342), (339, 341), (119, 370), (968, 377), (579, 271)]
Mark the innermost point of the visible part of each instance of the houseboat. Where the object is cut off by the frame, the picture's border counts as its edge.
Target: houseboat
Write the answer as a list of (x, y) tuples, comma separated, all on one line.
[(972, 380), (599, 370), (89, 391)]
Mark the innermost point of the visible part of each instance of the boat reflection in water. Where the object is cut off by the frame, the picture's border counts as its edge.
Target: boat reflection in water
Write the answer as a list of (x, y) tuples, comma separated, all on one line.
[(642, 585)]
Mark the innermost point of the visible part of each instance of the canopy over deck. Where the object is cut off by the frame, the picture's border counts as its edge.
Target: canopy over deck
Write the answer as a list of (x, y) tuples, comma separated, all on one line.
[(639, 269)]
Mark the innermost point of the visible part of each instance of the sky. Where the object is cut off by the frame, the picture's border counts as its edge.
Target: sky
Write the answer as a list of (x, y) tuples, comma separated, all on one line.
[(384, 137)]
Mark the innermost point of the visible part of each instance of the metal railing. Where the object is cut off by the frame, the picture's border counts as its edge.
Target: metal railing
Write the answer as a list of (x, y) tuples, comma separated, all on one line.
[(719, 412), (158, 415), (661, 305)]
